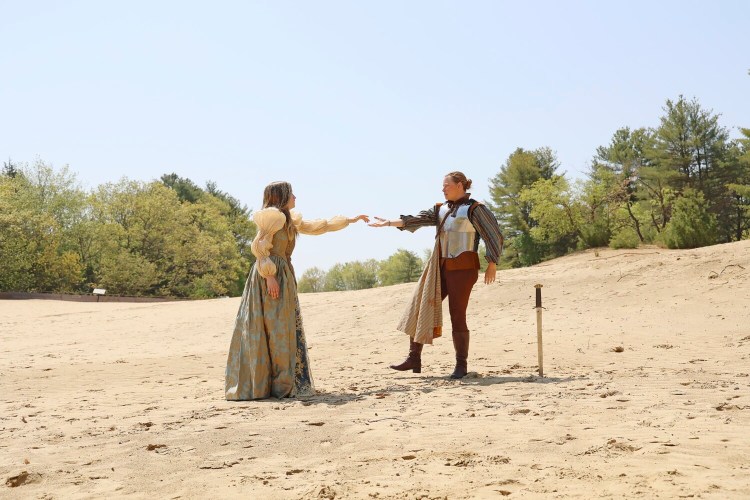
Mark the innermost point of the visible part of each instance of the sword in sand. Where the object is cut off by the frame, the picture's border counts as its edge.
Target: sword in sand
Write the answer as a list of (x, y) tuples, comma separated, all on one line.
[(539, 328)]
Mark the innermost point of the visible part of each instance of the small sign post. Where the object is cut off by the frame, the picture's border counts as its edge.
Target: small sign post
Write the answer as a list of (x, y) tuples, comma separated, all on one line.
[(99, 292)]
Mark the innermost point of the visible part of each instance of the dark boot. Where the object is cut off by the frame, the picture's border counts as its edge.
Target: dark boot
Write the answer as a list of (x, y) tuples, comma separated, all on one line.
[(413, 361), (461, 344)]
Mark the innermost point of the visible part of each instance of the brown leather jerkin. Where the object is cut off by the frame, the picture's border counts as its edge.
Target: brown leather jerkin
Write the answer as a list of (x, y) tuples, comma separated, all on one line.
[(465, 260)]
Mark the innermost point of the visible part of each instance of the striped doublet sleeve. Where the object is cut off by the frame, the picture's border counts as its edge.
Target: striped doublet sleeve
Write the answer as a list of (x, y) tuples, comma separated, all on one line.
[(486, 224), (414, 222)]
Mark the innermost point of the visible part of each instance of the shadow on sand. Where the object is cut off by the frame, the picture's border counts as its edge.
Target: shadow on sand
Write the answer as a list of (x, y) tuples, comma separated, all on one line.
[(425, 384)]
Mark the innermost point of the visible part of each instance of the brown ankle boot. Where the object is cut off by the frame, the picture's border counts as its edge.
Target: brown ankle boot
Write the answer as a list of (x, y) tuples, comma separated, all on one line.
[(413, 361), (461, 344)]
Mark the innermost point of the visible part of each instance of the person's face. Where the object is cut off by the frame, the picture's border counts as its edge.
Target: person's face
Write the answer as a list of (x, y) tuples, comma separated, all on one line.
[(292, 201), (453, 191)]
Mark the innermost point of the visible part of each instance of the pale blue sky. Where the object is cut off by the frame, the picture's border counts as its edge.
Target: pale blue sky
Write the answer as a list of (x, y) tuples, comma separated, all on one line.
[(363, 106)]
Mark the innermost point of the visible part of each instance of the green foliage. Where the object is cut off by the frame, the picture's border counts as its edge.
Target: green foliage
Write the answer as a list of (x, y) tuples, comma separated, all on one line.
[(735, 221), (514, 213), (689, 141), (132, 238), (596, 234), (519, 172), (692, 145), (186, 189), (638, 190), (334, 279), (691, 225), (401, 267), (527, 251), (37, 205), (22, 232), (598, 201), (625, 238), (360, 275), (312, 281), (121, 272), (9, 169), (552, 206), (240, 222), (630, 173), (626, 153), (351, 276), (208, 259)]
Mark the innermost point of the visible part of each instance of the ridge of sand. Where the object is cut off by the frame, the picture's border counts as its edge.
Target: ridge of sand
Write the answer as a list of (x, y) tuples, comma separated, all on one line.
[(113, 399)]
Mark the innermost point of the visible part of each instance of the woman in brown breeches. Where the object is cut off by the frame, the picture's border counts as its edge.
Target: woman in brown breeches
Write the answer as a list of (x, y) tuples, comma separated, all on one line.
[(460, 222)]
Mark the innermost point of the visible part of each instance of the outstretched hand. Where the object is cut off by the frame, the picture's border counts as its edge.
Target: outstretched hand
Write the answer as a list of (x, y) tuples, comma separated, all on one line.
[(359, 218), (381, 222)]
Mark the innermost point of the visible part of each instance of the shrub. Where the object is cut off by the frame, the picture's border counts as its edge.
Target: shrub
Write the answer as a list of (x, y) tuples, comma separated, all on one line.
[(625, 238), (691, 224)]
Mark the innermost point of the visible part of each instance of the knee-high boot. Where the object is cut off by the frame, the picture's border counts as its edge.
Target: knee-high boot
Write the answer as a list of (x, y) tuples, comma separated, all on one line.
[(413, 361), (461, 344)]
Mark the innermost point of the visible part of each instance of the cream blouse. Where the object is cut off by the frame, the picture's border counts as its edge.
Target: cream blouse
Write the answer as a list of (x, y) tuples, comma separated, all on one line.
[(269, 220)]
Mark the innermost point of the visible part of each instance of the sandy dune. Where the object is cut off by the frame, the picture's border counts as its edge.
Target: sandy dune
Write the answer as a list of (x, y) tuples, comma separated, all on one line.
[(112, 399)]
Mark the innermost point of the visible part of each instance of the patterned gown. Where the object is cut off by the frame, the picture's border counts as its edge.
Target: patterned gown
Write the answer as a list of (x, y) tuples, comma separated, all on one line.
[(268, 352)]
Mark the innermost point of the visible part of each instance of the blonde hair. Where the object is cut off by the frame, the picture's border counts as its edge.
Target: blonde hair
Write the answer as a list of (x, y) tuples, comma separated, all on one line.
[(460, 178), (277, 195)]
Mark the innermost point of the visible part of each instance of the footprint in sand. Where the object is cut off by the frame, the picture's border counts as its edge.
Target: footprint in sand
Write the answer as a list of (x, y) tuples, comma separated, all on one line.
[(728, 407), (564, 439), (615, 445), (520, 411), (23, 478), (218, 464)]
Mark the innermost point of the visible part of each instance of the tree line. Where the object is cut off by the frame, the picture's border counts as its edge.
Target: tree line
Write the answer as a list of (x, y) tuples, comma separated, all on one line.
[(682, 183), (162, 238), (401, 267)]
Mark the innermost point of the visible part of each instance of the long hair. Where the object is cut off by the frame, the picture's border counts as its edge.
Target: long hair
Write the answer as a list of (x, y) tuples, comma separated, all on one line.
[(278, 194)]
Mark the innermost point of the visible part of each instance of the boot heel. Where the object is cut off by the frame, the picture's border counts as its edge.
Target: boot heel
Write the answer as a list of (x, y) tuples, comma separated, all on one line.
[(413, 361)]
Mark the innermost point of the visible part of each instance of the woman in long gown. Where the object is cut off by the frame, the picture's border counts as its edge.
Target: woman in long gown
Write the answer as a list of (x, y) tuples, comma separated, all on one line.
[(268, 353)]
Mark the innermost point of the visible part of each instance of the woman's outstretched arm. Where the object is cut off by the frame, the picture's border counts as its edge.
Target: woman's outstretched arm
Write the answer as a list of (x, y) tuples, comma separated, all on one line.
[(321, 226), (385, 222), (409, 222)]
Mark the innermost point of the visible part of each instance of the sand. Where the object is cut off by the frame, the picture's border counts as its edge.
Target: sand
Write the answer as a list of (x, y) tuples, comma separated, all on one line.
[(112, 399)]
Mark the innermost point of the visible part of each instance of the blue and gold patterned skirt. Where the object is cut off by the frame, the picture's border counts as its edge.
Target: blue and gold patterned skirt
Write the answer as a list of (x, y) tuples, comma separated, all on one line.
[(268, 353)]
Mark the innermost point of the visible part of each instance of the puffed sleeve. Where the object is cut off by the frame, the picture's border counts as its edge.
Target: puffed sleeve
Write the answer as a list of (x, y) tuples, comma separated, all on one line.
[(318, 226), (268, 220)]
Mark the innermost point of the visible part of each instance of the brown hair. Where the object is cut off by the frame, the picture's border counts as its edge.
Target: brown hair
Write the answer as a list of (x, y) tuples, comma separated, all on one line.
[(459, 177), (277, 195)]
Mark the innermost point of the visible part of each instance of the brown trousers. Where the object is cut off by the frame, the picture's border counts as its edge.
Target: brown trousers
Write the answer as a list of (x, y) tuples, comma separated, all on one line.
[(457, 285)]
